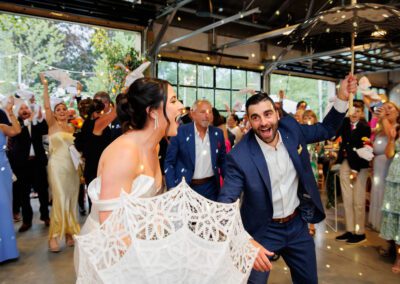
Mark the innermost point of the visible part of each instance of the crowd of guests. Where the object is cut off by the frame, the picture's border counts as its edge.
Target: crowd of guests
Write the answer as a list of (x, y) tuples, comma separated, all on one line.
[(197, 153)]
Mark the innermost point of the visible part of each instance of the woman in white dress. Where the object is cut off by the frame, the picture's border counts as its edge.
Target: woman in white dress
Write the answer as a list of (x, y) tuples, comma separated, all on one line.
[(148, 112), (128, 171)]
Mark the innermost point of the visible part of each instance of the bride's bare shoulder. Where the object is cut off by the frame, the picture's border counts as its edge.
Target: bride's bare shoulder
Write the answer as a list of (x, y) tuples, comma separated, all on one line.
[(122, 153)]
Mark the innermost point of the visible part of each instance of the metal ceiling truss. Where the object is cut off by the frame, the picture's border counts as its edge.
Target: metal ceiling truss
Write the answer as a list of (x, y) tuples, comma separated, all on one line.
[(336, 63)]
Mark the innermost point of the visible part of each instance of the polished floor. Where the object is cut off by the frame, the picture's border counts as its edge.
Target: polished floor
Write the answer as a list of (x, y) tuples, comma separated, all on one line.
[(337, 262)]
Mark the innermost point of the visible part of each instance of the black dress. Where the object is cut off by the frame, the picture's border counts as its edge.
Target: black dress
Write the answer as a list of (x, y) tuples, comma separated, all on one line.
[(92, 146)]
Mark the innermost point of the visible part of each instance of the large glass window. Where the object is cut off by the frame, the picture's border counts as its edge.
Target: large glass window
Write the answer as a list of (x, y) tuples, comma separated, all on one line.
[(220, 86), (168, 71), (206, 94), (187, 95), (205, 76), (315, 92), (238, 79), (223, 78), (187, 74)]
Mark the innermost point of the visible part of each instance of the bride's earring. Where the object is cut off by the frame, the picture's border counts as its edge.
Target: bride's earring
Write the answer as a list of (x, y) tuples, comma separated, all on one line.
[(156, 122)]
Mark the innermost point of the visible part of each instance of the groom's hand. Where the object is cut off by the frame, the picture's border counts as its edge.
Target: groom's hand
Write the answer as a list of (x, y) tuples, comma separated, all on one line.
[(262, 263), (347, 85)]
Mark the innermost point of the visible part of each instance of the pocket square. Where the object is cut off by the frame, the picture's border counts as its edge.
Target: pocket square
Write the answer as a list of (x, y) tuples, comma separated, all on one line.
[(299, 149)]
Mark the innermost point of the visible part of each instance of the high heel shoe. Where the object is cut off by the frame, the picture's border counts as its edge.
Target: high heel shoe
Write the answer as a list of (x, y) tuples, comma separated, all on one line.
[(69, 240), (53, 245)]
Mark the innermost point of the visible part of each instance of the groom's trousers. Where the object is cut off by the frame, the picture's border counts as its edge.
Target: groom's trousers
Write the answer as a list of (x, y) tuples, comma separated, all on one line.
[(294, 243)]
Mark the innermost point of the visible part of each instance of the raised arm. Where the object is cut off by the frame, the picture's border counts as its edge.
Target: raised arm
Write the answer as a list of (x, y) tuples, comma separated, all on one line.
[(46, 101), (390, 147), (103, 121), (15, 127)]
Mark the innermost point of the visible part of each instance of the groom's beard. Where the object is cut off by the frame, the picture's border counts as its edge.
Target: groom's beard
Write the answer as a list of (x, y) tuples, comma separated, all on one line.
[(267, 133)]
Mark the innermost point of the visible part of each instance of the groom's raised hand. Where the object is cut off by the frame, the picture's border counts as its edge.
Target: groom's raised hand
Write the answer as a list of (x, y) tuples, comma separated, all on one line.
[(262, 263)]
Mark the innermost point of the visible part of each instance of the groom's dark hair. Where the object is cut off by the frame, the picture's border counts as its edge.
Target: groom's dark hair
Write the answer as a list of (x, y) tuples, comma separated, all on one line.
[(257, 98)]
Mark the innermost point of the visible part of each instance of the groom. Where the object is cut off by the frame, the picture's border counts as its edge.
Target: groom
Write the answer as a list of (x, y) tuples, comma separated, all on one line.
[(271, 168)]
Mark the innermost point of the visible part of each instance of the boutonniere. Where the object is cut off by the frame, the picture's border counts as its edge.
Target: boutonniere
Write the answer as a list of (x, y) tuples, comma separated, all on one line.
[(366, 141), (299, 149)]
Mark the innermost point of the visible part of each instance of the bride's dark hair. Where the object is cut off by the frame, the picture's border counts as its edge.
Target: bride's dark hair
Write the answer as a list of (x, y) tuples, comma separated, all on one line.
[(143, 93)]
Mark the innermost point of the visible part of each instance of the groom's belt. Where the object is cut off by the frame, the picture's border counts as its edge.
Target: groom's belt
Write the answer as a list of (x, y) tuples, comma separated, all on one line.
[(201, 181), (286, 219)]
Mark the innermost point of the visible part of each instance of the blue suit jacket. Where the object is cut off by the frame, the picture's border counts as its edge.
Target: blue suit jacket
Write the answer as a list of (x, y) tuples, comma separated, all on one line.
[(247, 172), (180, 159)]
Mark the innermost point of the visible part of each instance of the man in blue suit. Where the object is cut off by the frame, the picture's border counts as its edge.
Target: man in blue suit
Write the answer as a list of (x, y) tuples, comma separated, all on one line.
[(197, 153), (271, 168)]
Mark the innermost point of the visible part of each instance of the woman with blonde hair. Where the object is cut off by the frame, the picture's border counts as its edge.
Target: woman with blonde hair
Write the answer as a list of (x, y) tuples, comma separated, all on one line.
[(387, 115), (62, 174)]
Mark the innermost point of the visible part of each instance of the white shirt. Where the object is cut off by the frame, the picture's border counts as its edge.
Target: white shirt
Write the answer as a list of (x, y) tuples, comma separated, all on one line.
[(203, 165), (283, 176), (28, 125)]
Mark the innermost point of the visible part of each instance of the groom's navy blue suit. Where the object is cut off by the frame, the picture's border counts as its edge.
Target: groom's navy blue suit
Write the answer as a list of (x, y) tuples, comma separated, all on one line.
[(247, 173)]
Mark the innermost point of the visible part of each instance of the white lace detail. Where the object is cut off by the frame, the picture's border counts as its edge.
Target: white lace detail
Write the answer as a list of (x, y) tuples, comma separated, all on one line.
[(176, 237)]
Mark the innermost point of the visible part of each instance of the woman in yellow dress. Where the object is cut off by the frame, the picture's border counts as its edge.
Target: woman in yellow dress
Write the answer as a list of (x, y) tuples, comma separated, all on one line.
[(62, 175)]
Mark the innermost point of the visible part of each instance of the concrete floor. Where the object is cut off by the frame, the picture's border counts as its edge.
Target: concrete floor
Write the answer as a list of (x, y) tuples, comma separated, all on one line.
[(337, 262)]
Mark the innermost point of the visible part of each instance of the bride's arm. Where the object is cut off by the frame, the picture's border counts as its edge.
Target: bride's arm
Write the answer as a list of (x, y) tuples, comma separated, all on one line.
[(118, 167)]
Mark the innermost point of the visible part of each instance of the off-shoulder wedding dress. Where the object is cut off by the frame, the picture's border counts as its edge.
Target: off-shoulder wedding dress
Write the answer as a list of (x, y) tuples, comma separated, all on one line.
[(175, 237)]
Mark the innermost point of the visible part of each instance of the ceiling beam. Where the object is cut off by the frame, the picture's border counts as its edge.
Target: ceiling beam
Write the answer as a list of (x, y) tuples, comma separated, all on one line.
[(220, 17), (266, 35), (361, 47), (212, 26), (173, 8), (279, 11), (153, 50)]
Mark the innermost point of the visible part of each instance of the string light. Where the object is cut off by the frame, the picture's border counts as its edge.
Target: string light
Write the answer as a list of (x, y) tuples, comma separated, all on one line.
[(50, 67)]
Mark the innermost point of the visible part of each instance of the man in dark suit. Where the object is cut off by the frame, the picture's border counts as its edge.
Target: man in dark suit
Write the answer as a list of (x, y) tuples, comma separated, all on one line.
[(28, 161), (353, 173), (271, 168), (197, 153)]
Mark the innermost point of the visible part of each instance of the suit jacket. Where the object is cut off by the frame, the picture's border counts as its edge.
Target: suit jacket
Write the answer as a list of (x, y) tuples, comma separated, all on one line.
[(4, 118), (180, 158), (352, 139), (20, 145), (247, 172)]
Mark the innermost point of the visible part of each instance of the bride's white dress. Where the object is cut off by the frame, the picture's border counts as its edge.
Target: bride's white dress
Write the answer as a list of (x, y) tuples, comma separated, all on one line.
[(176, 237)]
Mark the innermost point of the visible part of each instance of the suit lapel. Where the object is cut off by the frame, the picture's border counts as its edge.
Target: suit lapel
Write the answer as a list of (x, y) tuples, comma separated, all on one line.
[(191, 135), (213, 146), (261, 164), (291, 143)]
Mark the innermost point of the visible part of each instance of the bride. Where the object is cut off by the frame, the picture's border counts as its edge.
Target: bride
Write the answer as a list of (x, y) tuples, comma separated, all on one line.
[(130, 167), (147, 113)]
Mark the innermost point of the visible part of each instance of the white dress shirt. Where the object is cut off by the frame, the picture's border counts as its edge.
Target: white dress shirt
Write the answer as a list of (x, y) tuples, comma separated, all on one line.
[(282, 173), (28, 125), (283, 176), (203, 165)]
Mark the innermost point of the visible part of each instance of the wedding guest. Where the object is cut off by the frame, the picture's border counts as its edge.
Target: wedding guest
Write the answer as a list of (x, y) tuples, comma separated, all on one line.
[(219, 121), (8, 243), (390, 229), (62, 175), (232, 123), (197, 153), (388, 115), (28, 161), (353, 173), (96, 136)]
